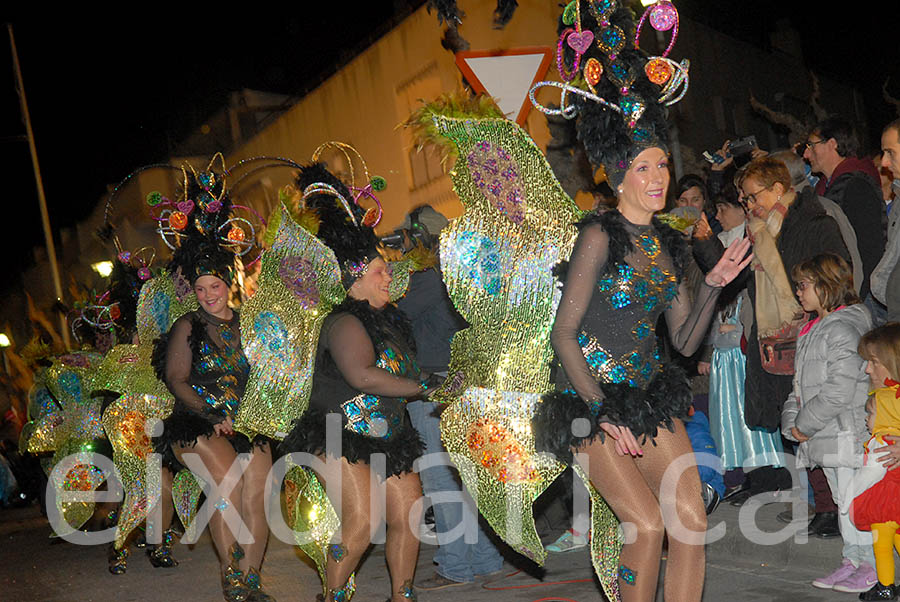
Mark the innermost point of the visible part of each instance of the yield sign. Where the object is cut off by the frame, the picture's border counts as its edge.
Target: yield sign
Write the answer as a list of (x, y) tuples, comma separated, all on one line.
[(507, 75)]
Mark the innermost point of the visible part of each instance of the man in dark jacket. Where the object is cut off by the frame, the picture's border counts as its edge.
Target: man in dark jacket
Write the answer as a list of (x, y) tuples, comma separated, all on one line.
[(852, 183)]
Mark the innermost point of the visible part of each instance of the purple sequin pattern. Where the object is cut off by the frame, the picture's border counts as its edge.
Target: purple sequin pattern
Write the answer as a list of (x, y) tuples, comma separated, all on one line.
[(497, 176), (298, 276)]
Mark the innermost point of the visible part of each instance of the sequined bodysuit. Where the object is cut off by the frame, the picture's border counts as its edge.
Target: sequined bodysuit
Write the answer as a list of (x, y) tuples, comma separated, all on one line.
[(604, 332), (206, 369), (381, 411)]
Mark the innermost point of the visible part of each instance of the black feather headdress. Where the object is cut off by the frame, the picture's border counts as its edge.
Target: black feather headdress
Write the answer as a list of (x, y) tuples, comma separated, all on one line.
[(614, 90), (342, 224)]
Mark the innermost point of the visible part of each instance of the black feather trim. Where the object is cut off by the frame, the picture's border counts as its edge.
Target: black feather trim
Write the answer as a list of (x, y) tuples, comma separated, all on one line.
[(447, 11), (183, 427), (504, 12), (667, 396), (308, 435), (621, 245), (158, 357)]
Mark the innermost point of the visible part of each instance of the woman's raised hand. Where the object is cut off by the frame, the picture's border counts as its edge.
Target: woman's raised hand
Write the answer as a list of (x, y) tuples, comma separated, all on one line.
[(731, 264)]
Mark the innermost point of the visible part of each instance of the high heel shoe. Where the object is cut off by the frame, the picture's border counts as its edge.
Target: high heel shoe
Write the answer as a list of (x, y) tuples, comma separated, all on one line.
[(161, 556), (118, 560), (254, 584), (233, 587)]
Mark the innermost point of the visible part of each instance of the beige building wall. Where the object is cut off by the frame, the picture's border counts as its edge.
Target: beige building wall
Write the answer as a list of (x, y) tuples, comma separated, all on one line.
[(365, 101)]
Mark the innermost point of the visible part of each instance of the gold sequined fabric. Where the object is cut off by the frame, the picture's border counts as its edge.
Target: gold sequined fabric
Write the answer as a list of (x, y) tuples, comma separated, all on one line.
[(186, 491), (299, 283), (126, 425), (497, 260), (311, 516)]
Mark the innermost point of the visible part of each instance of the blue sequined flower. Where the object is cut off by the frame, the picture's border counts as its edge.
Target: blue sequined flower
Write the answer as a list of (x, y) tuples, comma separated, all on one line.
[(479, 255)]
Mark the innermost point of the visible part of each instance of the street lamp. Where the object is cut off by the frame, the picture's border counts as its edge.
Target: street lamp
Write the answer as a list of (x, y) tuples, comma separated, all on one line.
[(104, 268), (4, 343)]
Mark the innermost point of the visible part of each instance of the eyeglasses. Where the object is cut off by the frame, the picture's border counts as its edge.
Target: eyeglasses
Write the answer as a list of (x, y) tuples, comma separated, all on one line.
[(751, 198), (803, 285), (811, 143)]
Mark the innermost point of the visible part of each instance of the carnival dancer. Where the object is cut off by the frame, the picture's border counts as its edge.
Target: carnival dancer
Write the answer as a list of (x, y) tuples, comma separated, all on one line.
[(203, 365), (365, 371), (625, 270)]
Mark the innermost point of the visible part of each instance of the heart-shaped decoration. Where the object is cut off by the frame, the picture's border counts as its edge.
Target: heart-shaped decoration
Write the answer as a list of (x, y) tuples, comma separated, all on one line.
[(186, 206), (213, 206), (580, 42)]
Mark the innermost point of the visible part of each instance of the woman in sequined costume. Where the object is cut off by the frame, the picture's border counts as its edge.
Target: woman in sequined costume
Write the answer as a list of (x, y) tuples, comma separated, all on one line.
[(624, 272), (614, 391), (365, 372), (203, 365)]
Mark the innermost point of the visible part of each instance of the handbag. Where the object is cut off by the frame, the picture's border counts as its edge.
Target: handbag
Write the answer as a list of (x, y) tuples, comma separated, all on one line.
[(777, 351)]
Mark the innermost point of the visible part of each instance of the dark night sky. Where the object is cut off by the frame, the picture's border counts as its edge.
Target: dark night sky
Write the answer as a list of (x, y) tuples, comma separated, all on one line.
[(108, 97)]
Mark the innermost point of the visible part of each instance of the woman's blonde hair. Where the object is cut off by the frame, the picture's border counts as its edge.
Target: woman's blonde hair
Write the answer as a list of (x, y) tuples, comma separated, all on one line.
[(883, 343), (831, 277)]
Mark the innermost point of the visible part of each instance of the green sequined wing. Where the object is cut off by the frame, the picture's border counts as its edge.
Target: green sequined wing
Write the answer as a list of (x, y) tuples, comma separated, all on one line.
[(497, 257), (162, 300), (312, 517), (497, 262), (186, 491), (299, 283), (125, 422)]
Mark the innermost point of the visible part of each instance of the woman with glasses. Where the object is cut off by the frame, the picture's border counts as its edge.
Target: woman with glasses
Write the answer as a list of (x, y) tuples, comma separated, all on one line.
[(787, 227)]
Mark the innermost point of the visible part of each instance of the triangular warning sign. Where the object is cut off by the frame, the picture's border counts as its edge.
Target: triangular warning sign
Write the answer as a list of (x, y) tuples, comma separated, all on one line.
[(507, 75)]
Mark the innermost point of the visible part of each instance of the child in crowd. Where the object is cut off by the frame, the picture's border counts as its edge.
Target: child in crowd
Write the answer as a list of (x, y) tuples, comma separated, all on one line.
[(738, 445), (825, 412), (872, 499)]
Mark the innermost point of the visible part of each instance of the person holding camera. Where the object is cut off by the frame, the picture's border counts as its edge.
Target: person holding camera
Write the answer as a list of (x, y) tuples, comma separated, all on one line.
[(853, 183)]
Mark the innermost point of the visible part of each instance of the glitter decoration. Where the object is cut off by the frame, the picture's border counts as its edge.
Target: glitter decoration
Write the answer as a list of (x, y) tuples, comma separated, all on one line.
[(364, 417), (125, 422), (298, 276), (568, 16), (378, 183), (479, 257), (642, 330), (491, 444), (178, 220), (497, 175), (154, 198), (626, 574), (406, 591), (601, 10), (611, 41), (504, 356), (658, 71), (236, 234), (280, 346), (593, 71), (186, 491), (310, 515), (649, 244), (345, 593), (564, 74), (663, 16), (337, 552), (635, 368), (222, 504)]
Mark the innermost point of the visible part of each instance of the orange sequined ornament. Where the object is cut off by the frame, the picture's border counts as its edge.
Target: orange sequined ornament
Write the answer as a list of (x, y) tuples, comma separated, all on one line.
[(178, 220), (236, 234), (658, 71), (593, 71)]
